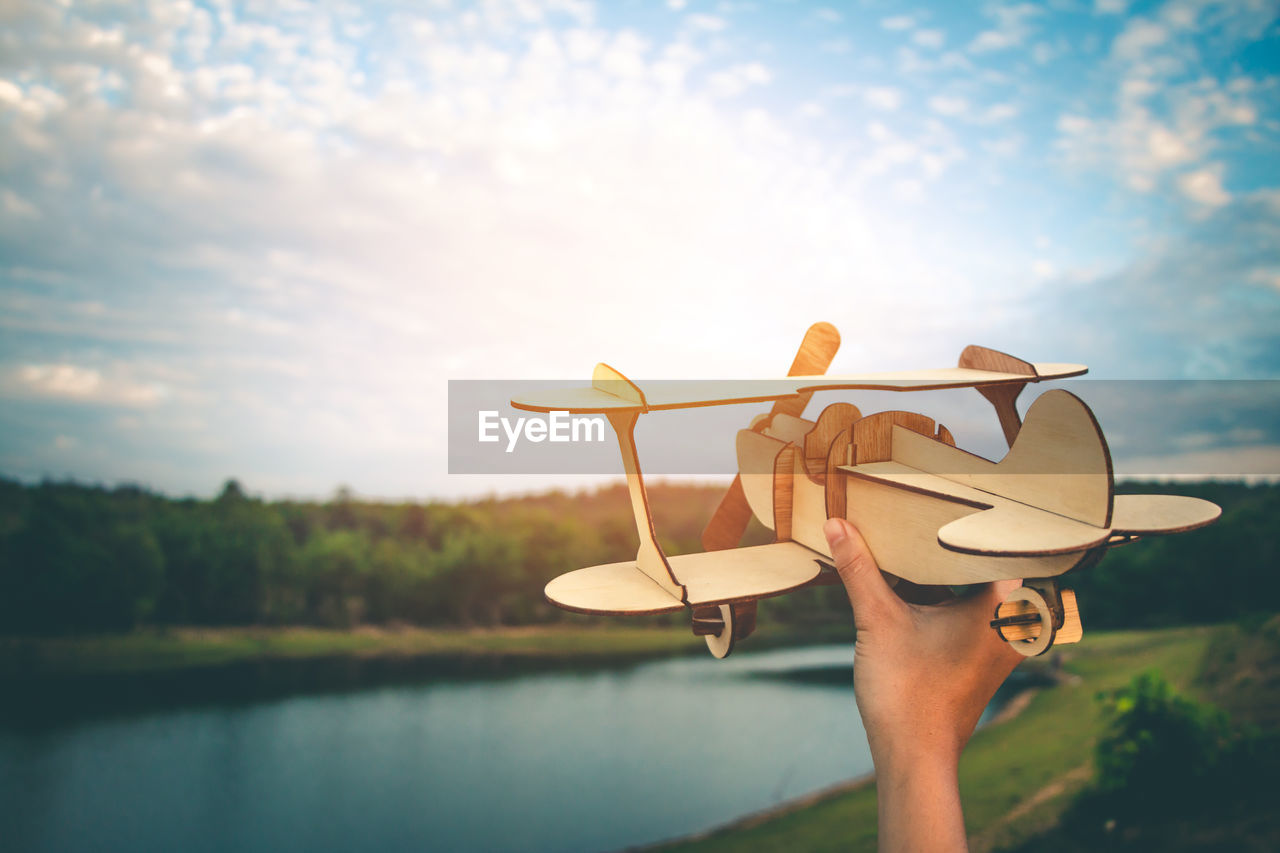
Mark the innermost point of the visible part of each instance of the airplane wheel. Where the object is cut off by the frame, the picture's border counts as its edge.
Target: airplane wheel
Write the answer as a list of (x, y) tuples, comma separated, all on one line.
[(715, 624), (721, 644), (1025, 621)]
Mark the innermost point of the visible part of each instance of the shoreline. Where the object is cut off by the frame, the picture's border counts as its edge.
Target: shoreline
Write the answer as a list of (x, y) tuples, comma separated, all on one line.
[(188, 647), (54, 681), (1017, 703)]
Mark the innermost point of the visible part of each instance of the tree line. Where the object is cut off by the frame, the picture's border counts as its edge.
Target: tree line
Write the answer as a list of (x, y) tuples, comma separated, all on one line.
[(83, 558)]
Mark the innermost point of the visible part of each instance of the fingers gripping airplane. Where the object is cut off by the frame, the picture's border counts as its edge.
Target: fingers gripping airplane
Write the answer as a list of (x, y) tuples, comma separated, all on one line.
[(936, 517)]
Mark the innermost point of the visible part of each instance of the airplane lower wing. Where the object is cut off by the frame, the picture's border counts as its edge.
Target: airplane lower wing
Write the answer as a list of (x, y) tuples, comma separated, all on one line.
[(1016, 530), (1143, 514), (713, 577)]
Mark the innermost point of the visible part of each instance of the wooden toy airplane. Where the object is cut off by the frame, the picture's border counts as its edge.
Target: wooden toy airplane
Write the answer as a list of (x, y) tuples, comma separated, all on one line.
[(934, 516)]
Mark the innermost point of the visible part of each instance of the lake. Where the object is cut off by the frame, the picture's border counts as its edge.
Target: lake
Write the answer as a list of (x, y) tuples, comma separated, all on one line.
[(548, 761)]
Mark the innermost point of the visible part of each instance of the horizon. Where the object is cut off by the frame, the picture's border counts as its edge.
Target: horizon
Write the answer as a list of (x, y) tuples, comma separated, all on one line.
[(572, 491)]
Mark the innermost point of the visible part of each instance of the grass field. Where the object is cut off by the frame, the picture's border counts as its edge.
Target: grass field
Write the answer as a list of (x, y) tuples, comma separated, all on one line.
[(179, 649), (1016, 777)]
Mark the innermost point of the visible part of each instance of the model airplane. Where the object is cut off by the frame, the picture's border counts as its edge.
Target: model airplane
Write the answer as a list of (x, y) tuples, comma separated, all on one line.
[(934, 516)]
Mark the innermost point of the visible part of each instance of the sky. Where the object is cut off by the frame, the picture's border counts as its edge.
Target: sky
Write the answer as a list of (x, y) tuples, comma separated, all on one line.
[(257, 240)]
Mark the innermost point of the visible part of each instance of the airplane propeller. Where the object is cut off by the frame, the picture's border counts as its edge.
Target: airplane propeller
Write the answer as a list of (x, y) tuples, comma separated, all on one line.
[(732, 516)]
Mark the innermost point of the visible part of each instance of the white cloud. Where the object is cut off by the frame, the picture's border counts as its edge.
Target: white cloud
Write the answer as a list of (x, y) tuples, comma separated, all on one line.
[(948, 105), (82, 384), (1012, 29), (929, 38), (708, 23), (737, 79), (1165, 148), (1000, 112), (10, 93), (898, 22), (1110, 7), (1170, 113), (1139, 37), (1204, 186), (17, 207), (883, 97), (1268, 276)]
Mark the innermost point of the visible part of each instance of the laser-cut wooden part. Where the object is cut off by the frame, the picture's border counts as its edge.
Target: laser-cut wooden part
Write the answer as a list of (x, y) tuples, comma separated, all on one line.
[(784, 466), (710, 577), (757, 457), (900, 525), (984, 358), (604, 378), (835, 419), (1145, 514), (658, 396), (840, 453), (732, 515), (649, 558), (1004, 398), (1072, 629), (788, 428), (619, 589), (936, 379), (744, 618), (788, 393), (1017, 529), (1033, 620), (873, 435), (808, 498), (723, 625), (730, 519), (1059, 462)]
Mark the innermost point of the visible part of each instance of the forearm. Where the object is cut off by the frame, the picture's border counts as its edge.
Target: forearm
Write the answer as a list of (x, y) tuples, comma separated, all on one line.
[(919, 803)]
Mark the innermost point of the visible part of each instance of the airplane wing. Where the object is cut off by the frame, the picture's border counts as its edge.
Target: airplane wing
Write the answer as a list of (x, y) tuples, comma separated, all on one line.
[(713, 577), (659, 395), (1018, 530), (940, 378), (685, 394), (1143, 514)]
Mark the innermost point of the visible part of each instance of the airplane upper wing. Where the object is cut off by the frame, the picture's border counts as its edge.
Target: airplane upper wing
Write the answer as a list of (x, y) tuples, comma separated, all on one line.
[(662, 394), (932, 380), (685, 394)]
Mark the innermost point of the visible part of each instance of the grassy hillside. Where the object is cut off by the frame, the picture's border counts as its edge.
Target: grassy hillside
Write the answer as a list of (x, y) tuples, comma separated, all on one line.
[(1017, 778)]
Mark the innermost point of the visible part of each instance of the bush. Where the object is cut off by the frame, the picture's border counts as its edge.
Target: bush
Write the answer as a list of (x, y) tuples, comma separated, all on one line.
[(1160, 746)]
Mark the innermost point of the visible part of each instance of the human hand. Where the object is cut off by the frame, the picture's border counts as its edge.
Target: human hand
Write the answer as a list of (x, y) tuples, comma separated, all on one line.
[(922, 676)]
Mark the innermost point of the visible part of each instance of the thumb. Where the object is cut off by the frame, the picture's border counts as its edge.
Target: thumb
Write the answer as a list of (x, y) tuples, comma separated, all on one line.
[(868, 592)]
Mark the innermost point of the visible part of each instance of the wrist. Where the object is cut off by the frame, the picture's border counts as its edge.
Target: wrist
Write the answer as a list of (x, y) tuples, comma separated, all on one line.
[(918, 800), (917, 752)]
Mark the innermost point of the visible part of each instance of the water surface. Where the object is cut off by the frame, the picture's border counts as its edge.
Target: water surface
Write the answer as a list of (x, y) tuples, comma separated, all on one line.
[(552, 761)]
